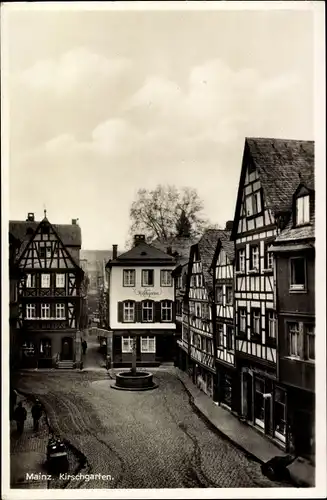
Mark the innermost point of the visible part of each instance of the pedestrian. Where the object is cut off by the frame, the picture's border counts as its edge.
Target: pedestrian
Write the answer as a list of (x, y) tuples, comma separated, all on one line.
[(20, 415), (36, 414), (84, 346), (108, 363)]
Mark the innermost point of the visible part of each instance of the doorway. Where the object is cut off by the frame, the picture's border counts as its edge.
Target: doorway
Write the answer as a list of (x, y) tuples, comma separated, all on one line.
[(67, 349)]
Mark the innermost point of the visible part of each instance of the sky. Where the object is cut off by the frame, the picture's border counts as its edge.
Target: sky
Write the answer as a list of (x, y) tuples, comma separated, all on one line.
[(102, 103)]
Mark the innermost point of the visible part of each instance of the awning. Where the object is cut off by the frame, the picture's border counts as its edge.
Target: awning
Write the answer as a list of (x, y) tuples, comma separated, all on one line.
[(290, 247)]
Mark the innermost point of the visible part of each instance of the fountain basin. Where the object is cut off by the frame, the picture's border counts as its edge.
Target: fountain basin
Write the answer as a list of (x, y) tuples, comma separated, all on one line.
[(139, 381)]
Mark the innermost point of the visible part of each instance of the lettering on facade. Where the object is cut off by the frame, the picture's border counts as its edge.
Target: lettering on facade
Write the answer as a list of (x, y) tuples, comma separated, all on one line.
[(147, 293)]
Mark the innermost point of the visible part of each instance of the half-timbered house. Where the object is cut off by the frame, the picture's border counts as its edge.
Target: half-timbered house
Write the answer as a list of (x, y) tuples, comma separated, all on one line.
[(180, 277), (269, 176), (141, 305), (294, 251), (48, 292), (223, 314), (198, 313)]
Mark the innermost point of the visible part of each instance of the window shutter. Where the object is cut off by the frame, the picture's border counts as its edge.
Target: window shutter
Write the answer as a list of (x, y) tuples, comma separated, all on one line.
[(157, 312), (138, 312), (120, 312)]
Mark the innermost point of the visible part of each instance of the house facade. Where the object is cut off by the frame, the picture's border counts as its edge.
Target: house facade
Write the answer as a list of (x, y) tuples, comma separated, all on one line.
[(141, 305), (223, 314), (294, 252), (48, 293), (197, 322), (180, 278), (269, 176)]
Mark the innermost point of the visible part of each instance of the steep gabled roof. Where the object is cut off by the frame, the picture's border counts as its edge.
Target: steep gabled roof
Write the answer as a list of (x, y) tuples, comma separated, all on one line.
[(180, 245), (281, 165), (224, 242), (143, 252), (70, 234), (207, 247)]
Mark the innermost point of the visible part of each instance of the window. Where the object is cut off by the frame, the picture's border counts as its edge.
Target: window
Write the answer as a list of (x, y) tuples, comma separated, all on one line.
[(45, 311), (269, 258), (219, 294), (30, 311), (178, 308), (271, 324), (220, 334), (60, 280), (226, 390), (256, 330), (200, 281), (147, 311), (229, 295), (45, 252), (147, 277), (166, 311), (60, 311), (126, 344), (30, 280), (297, 273), (129, 311), (303, 210), (45, 280), (129, 277), (193, 281), (294, 339), (259, 405), (240, 263), (198, 310), (253, 204), (165, 278), (205, 310), (254, 254), (242, 321), (229, 339), (148, 344), (280, 414), (310, 336), (45, 348)]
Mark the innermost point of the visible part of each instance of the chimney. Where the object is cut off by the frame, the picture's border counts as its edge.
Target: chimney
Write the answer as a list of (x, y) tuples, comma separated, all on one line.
[(139, 238), (30, 217), (114, 252), (229, 225), (74, 222)]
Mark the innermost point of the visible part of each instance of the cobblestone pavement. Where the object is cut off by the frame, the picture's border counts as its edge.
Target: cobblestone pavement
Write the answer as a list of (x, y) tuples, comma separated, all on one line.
[(150, 439)]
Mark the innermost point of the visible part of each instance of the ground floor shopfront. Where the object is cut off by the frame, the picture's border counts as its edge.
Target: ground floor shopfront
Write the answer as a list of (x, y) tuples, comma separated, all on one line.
[(152, 347), (227, 387), (301, 422), (45, 349), (263, 401)]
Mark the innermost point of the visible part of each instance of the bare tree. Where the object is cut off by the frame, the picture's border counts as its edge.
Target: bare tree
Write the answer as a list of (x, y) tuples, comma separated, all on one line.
[(164, 211)]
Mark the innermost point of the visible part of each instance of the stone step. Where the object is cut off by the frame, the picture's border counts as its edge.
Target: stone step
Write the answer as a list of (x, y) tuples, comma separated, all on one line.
[(66, 364)]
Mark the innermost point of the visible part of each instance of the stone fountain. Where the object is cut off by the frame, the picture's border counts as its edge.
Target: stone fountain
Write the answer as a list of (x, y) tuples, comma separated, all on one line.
[(134, 380)]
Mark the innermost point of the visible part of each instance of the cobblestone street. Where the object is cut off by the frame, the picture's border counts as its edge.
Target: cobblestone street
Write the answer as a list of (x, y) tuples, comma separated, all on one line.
[(148, 439)]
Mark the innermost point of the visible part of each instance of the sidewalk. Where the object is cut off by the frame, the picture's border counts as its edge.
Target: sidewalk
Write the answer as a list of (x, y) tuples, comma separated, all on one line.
[(28, 451), (244, 436)]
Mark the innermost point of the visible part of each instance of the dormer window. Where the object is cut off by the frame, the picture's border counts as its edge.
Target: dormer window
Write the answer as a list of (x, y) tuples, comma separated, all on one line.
[(303, 210)]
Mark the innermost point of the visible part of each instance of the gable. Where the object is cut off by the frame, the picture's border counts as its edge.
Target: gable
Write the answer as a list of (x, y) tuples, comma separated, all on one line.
[(45, 250)]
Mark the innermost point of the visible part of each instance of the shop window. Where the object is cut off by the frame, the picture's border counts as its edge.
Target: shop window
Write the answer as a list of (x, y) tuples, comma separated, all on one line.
[(126, 344), (45, 348), (226, 390), (259, 404), (310, 338), (220, 335), (280, 414)]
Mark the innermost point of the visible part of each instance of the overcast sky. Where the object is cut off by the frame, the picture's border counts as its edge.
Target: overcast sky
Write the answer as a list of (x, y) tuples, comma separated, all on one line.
[(103, 103)]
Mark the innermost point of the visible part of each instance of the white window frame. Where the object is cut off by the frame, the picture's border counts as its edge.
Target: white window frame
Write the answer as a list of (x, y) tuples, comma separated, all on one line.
[(219, 299), (30, 280), (146, 307), (60, 280), (254, 257), (220, 331), (297, 286), (167, 307), (294, 332), (165, 278), (256, 322), (242, 317), (241, 260), (129, 349), (45, 311), (229, 302), (303, 210), (129, 311), (60, 311), (30, 311), (45, 280), (145, 277), (128, 277), (148, 344)]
